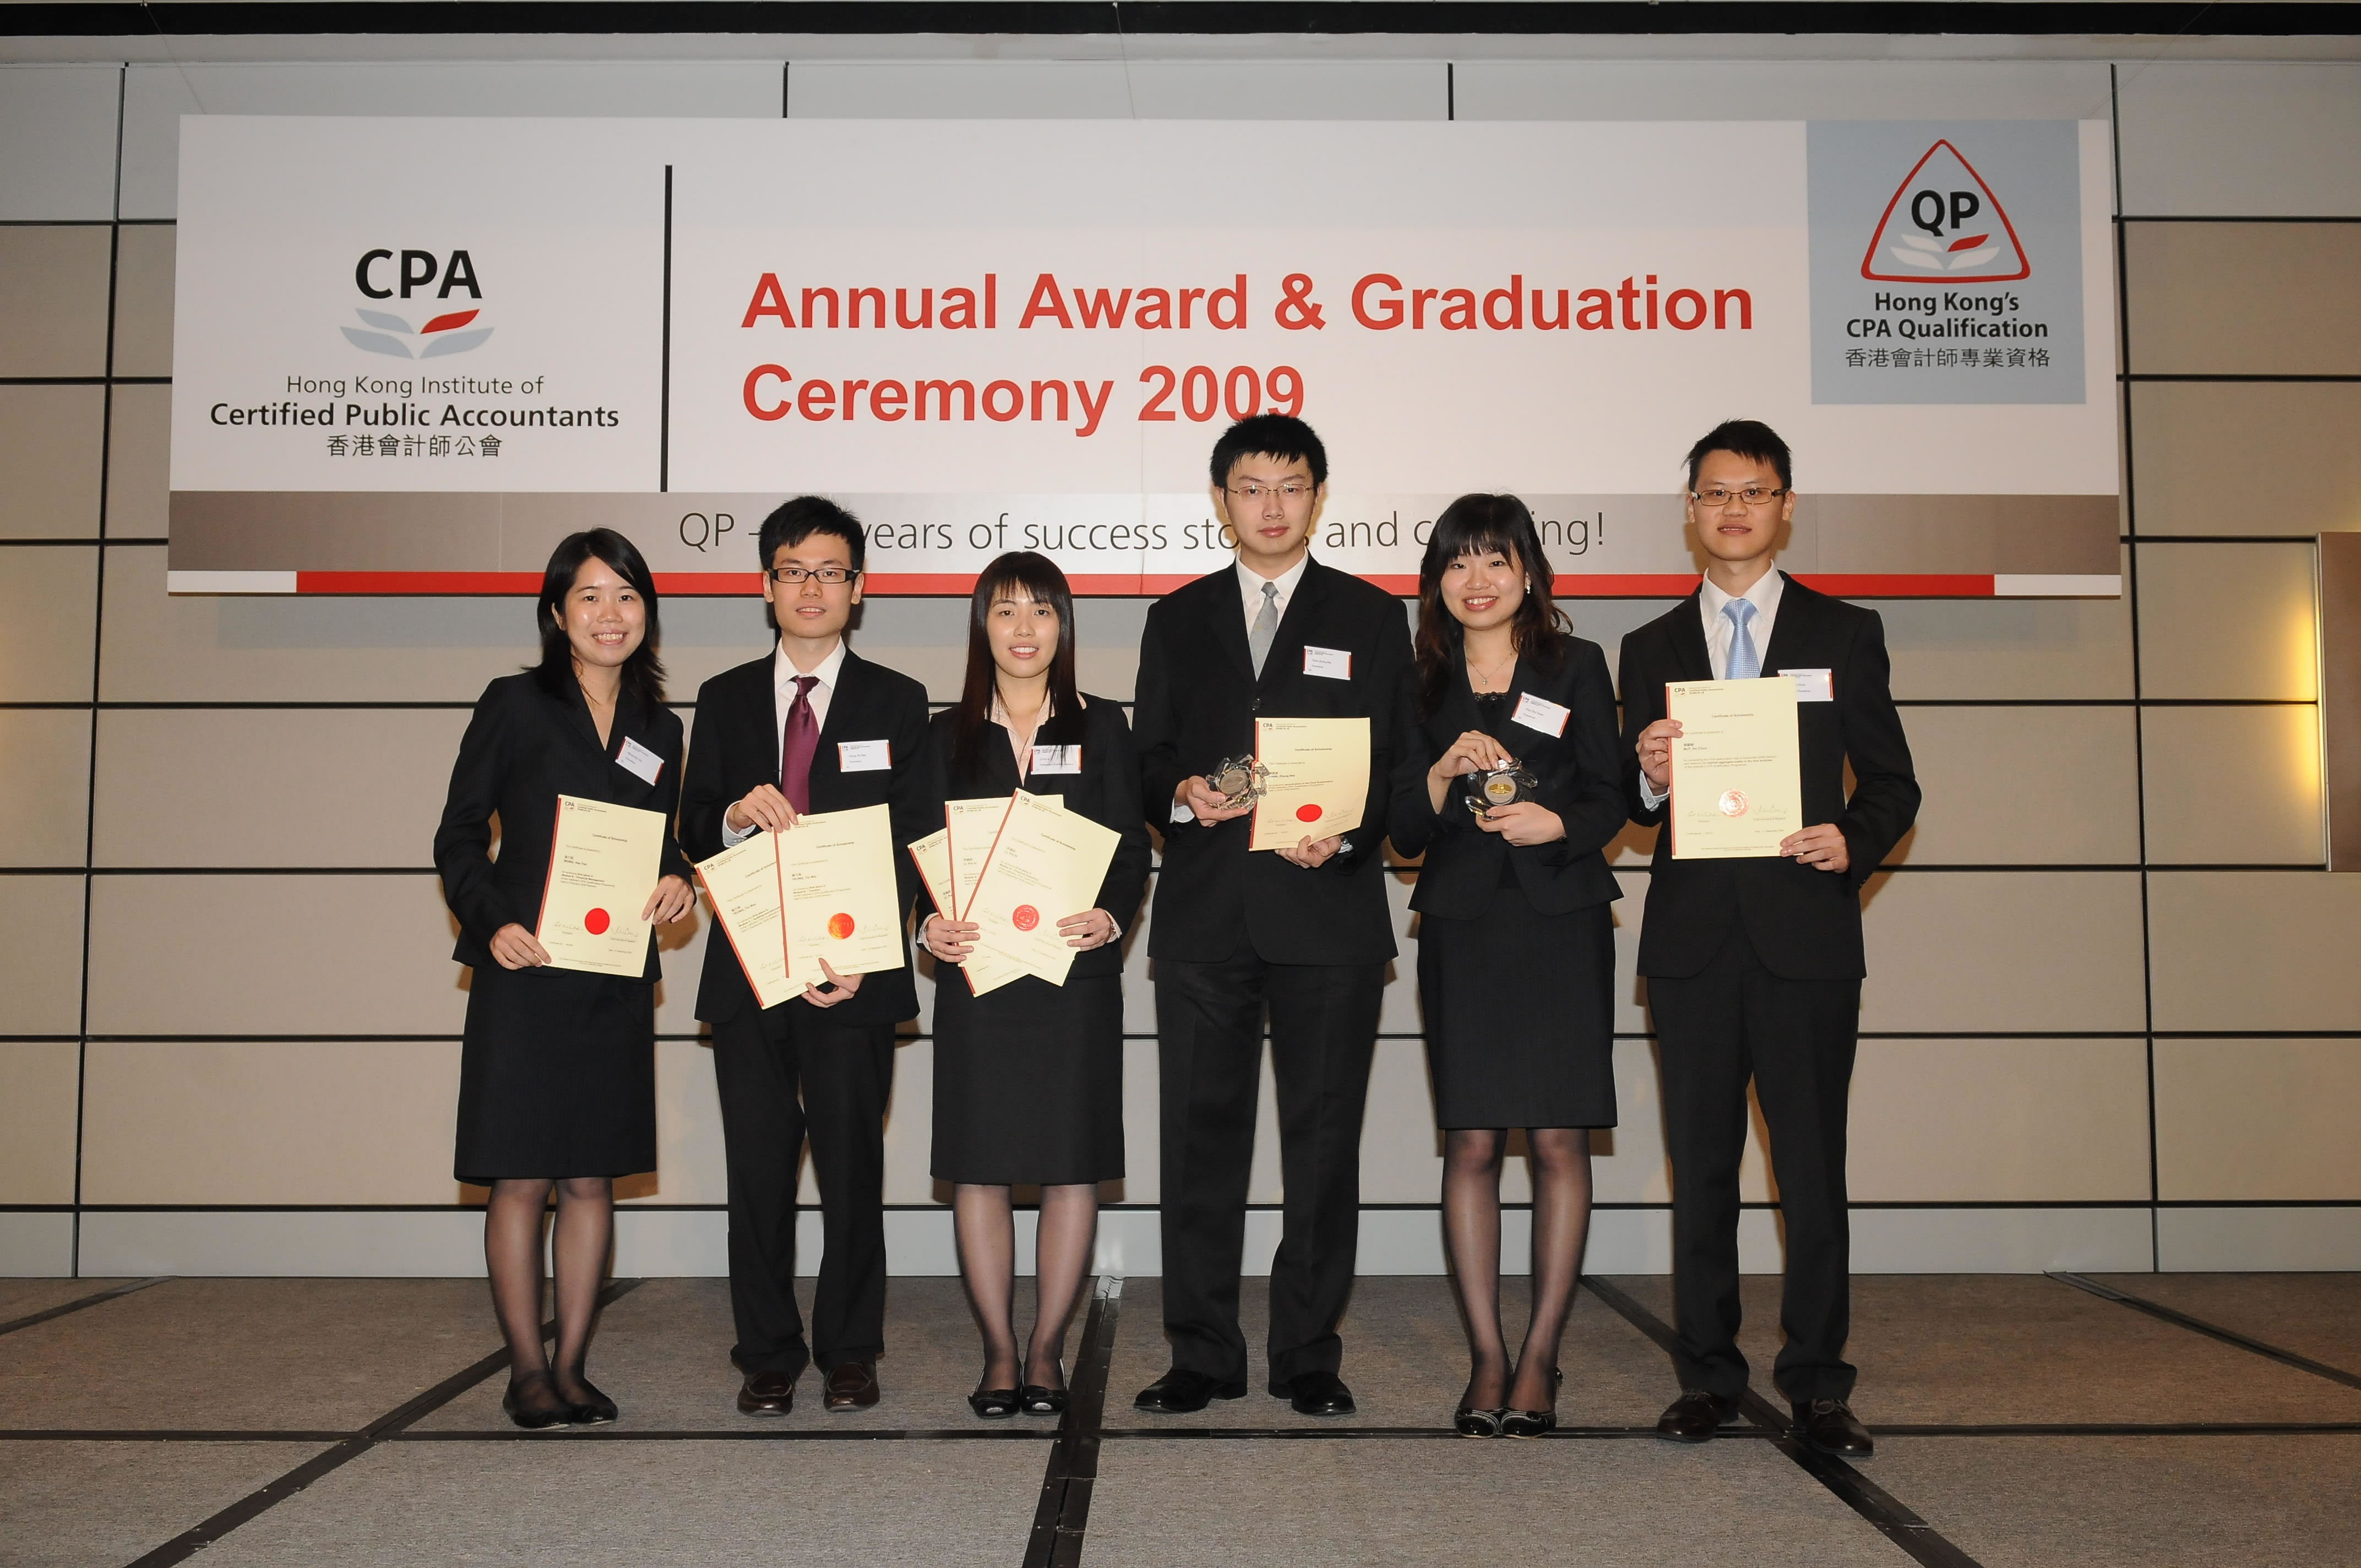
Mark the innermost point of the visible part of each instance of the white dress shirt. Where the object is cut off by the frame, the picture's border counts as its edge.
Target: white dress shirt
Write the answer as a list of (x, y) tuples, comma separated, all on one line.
[(783, 687), (1250, 584), (1719, 635)]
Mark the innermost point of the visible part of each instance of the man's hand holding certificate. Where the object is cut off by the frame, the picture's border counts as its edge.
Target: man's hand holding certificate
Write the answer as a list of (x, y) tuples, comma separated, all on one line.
[(1315, 783), (603, 865), (1736, 767), (839, 892)]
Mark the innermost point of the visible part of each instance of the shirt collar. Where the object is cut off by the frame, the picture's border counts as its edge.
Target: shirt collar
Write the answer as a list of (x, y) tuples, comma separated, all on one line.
[(1763, 596), (785, 672), (1250, 581)]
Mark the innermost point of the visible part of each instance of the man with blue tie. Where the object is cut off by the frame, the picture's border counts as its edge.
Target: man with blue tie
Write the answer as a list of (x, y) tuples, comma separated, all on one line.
[(1755, 966)]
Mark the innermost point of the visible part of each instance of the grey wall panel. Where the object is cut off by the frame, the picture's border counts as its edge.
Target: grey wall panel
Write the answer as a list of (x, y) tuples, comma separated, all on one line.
[(139, 462), (2023, 786), (2232, 785), (2241, 138), (2257, 1120), (1991, 650), (2243, 299), (2255, 950), (44, 786), (2213, 1241), (48, 600), (1306, 88), (2243, 457), (143, 299), (50, 441), (2228, 621), (1999, 1121), (56, 123), (1972, 952), (53, 300), (39, 1087), (41, 930), (1759, 89)]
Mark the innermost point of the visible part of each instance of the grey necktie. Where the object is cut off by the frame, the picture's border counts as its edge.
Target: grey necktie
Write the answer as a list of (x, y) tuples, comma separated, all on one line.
[(1264, 630)]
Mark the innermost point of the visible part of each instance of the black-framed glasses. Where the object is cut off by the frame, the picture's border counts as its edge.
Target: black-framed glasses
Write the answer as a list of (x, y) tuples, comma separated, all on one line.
[(1288, 490), (832, 576), (1753, 494)]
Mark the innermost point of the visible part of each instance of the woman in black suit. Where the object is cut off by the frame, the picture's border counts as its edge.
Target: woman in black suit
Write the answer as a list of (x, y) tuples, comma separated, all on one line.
[(557, 1074), (1516, 942), (1029, 1077)]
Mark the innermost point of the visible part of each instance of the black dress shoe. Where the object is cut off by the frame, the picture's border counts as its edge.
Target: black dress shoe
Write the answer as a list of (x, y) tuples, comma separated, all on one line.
[(1695, 1416), (1181, 1392), (531, 1402), (1317, 1394), (1830, 1426), (1533, 1423), (1040, 1400), (851, 1385), (993, 1404), (767, 1394), (594, 1408)]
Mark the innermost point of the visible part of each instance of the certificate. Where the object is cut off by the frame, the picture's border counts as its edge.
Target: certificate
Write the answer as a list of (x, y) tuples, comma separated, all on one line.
[(840, 897), (743, 884), (1317, 780), (603, 864), (1736, 767), (1047, 864), (932, 856), (971, 824)]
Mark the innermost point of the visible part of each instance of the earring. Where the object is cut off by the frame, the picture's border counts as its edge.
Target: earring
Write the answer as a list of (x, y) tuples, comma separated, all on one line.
[(1529, 585)]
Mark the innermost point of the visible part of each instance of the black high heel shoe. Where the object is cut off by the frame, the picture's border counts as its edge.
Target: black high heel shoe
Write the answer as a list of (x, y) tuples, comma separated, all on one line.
[(1533, 1423), (596, 1410), (1471, 1420), (1036, 1400), (537, 1418), (992, 1404)]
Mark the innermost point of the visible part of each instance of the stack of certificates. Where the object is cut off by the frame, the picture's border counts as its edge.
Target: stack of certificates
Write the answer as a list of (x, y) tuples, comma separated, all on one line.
[(825, 889), (1014, 867)]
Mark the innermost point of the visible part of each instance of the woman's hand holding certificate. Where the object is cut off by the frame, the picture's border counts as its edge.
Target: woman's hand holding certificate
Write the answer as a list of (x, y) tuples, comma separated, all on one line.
[(1736, 767), (1045, 866), (603, 863)]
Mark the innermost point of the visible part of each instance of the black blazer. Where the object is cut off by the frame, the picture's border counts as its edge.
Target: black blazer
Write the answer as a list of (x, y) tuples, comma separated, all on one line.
[(1581, 778), (1197, 702), (1106, 791), (524, 749), (1804, 924), (738, 748)]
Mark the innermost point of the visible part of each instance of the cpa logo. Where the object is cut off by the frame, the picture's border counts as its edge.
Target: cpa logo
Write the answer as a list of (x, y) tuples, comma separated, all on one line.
[(1944, 225), (379, 274)]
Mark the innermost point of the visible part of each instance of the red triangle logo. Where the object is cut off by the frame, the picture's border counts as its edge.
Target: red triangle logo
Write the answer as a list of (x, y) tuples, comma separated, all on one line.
[(1953, 229)]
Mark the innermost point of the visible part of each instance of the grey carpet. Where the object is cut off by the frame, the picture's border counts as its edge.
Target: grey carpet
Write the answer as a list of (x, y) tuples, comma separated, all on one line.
[(2318, 1315), (2248, 1502), (1217, 1503), (575, 1505), (98, 1504), (2011, 1347), (20, 1298)]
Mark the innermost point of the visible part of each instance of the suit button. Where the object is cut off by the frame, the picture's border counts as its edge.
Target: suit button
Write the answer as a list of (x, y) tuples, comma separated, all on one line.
[(1257, 707)]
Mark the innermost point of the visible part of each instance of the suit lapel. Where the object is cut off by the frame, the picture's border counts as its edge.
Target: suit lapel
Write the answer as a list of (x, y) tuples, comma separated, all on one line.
[(1690, 658), (1303, 609), (1227, 622), (1794, 625)]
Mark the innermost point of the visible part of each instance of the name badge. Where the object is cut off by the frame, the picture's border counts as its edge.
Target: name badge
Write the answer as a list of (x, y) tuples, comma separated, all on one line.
[(639, 760), (1337, 663), (864, 756), (1056, 758), (1813, 686), (1539, 713)]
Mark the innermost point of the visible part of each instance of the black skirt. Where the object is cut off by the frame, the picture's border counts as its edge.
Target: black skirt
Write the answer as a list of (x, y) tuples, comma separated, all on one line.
[(1028, 1081), (1519, 1016), (558, 1077)]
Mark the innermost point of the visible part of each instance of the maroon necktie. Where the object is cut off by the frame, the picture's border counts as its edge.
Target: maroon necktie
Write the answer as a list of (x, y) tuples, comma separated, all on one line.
[(797, 746)]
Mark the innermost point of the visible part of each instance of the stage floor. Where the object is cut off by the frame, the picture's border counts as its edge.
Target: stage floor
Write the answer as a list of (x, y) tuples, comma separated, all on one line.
[(2023, 1420)]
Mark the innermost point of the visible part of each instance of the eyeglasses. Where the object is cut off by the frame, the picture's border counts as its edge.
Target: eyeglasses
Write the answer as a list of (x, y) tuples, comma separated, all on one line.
[(1290, 490), (832, 576), (1754, 495)]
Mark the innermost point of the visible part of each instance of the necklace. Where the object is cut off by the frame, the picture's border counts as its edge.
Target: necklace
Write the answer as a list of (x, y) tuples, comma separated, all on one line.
[(1491, 677)]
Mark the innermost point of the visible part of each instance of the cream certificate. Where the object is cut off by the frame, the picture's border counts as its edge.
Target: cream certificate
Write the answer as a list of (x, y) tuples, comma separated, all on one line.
[(743, 884), (932, 856), (603, 864), (1048, 864), (971, 826), (1736, 767), (836, 874), (1318, 779)]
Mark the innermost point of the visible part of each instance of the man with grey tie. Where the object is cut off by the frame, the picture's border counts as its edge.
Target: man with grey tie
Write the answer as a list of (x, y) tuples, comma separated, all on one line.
[(1301, 933)]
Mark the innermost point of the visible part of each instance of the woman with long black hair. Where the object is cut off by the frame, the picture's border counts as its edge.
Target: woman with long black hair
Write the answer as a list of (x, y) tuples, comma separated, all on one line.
[(1029, 1077), (1514, 790), (557, 1073)]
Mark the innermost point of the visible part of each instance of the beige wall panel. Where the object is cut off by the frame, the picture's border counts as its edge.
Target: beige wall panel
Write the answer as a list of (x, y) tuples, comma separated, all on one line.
[(40, 932), (1987, 650), (53, 299), (270, 1122), (2244, 456), (39, 1089), (58, 123), (2023, 786), (2229, 620), (2273, 951), (2232, 785), (2209, 137), (681, 949), (2243, 299), (1113, 89), (48, 602), (272, 955), (1760, 89), (273, 786), (139, 464), (1979, 951), (1999, 1121), (143, 299), (50, 441), (44, 786), (2257, 1120)]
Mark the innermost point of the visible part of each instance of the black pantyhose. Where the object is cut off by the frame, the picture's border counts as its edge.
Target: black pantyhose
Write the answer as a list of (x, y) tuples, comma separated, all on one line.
[(986, 1226), (585, 1227), (1471, 1225)]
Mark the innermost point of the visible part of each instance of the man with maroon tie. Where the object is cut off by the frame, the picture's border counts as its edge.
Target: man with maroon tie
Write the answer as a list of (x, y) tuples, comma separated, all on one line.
[(812, 727)]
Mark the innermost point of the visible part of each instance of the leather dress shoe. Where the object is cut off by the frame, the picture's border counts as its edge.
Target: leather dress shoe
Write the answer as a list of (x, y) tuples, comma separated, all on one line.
[(766, 1394), (851, 1385), (1181, 1392), (1317, 1394), (1830, 1426), (1695, 1416)]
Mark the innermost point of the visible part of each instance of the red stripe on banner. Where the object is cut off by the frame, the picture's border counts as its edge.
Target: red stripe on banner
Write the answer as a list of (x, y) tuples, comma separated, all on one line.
[(525, 583), (1900, 584), (1604, 584)]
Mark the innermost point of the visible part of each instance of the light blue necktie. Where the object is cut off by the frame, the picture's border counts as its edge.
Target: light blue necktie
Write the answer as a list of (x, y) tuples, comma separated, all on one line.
[(1744, 663)]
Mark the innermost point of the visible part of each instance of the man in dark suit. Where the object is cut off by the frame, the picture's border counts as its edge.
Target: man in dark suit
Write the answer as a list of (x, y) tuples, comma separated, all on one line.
[(1302, 932), (811, 727), (1755, 966)]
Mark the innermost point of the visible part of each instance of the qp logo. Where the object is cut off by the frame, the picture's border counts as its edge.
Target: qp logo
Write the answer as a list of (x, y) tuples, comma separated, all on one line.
[(1944, 225), (378, 277)]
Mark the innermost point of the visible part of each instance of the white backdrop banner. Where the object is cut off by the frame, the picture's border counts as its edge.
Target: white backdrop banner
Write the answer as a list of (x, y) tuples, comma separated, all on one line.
[(410, 355)]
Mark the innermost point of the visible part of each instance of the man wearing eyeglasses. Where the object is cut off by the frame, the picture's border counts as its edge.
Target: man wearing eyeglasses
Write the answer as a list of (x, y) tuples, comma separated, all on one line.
[(1755, 966), (1301, 933), (811, 727)]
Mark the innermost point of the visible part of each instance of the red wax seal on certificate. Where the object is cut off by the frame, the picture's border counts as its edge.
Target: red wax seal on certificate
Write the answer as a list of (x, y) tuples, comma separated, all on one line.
[(597, 922), (1734, 803), (1025, 917), (839, 925), (1307, 813)]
